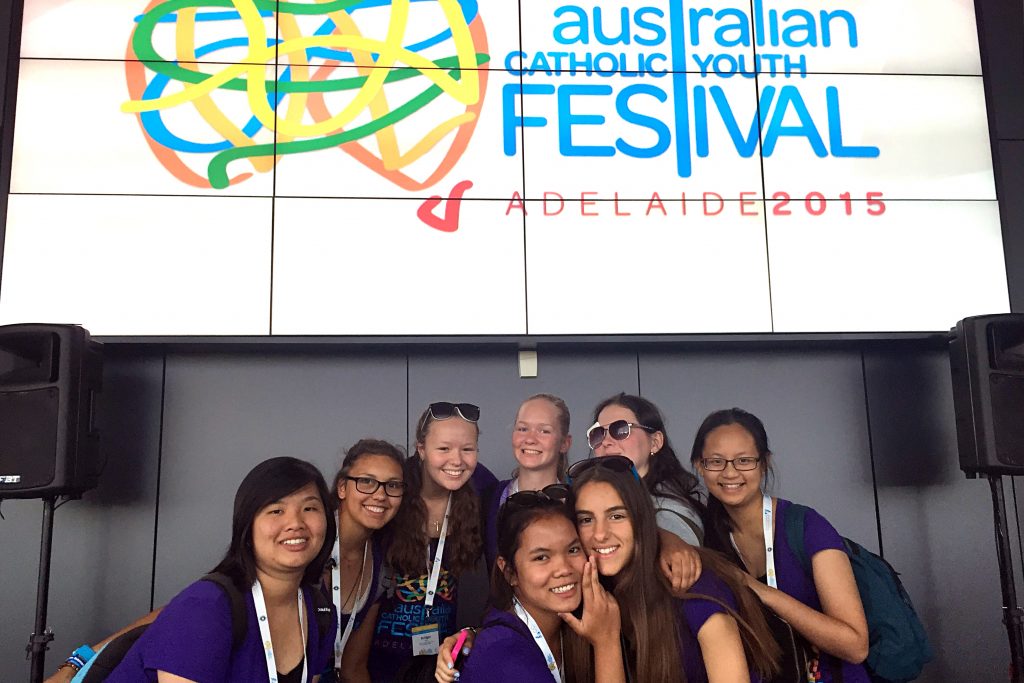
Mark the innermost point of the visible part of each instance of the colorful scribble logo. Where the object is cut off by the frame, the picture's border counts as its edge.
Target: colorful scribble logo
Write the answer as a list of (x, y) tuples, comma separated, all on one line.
[(270, 80)]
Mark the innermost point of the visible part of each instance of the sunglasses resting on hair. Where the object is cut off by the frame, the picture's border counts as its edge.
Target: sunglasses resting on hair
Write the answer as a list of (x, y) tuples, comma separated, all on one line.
[(558, 493), (442, 410), (615, 463)]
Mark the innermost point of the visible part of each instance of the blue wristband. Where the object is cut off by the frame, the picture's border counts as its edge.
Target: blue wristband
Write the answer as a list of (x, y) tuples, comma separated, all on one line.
[(82, 655)]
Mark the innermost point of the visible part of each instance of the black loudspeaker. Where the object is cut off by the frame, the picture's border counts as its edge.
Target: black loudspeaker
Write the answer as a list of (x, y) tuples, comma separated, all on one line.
[(986, 357), (49, 378)]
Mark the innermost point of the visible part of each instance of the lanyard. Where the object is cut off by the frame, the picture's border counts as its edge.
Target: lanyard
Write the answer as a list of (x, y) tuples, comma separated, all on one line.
[(769, 542), (268, 646), (542, 643), (435, 567), (342, 637)]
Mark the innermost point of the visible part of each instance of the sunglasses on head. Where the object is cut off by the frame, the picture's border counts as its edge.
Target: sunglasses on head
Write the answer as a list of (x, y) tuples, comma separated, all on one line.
[(558, 493), (615, 463), (618, 430), (442, 410)]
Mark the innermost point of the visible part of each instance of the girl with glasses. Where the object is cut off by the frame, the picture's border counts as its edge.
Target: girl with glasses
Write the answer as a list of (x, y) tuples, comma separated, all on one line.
[(731, 453), (540, 444), (715, 633), (529, 634), (276, 559), (436, 539), (369, 488)]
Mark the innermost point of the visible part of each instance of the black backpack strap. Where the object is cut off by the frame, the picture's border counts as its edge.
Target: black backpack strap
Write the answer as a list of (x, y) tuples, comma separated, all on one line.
[(239, 611), (110, 656), (323, 608)]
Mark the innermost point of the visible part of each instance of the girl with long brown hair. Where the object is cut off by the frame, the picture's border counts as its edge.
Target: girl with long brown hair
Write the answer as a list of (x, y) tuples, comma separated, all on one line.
[(715, 633), (436, 539)]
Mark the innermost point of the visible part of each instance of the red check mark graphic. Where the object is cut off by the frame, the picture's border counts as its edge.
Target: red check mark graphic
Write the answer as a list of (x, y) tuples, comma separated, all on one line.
[(450, 221)]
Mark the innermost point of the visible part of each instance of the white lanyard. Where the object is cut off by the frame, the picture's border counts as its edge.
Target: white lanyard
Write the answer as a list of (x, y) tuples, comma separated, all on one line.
[(342, 637), (769, 542), (435, 568), (538, 636), (268, 646)]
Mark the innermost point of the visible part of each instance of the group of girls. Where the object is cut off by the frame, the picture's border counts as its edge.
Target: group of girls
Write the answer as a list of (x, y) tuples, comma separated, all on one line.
[(597, 570)]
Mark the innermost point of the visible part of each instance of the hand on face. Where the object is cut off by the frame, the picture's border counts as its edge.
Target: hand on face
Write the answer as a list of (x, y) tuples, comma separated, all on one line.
[(289, 533), (600, 624), (605, 527)]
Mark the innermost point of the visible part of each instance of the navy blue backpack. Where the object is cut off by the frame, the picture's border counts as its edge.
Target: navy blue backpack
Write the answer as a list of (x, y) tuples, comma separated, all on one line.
[(898, 646)]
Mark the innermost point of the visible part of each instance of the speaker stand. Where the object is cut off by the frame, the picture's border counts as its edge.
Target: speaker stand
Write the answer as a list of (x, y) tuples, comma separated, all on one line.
[(39, 641), (1012, 614)]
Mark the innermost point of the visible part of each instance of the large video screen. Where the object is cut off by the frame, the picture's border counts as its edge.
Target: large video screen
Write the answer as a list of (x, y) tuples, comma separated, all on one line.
[(425, 167)]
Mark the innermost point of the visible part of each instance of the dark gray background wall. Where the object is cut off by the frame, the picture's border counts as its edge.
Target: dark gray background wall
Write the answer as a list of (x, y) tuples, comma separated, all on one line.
[(181, 429)]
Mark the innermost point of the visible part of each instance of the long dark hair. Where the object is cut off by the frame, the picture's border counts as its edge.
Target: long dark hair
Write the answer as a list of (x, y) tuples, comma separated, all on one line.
[(719, 524), (649, 614), (410, 543), (513, 520), (666, 476), (270, 481)]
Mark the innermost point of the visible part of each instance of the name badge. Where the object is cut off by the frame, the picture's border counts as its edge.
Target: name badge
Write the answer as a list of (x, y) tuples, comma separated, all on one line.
[(425, 639)]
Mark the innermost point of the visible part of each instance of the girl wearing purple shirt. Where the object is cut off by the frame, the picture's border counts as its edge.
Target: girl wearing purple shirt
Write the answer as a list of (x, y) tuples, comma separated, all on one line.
[(540, 444), (731, 453), (715, 633), (276, 558), (529, 634)]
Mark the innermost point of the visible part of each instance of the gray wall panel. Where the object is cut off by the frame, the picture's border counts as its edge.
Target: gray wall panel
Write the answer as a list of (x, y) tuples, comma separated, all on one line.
[(102, 545), (225, 414), (937, 525), (812, 404)]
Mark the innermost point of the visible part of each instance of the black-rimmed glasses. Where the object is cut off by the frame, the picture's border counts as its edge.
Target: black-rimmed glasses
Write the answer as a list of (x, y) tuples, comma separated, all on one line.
[(744, 463), (618, 430), (369, 485), (615, 463), (442, 410)]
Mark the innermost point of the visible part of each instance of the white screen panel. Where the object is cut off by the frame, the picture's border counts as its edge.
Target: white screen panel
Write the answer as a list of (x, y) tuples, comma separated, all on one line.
[(181, 264), (736, 161)]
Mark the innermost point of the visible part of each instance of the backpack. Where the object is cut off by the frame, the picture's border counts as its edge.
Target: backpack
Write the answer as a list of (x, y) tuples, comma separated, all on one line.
[(898, 645), (107, 659)]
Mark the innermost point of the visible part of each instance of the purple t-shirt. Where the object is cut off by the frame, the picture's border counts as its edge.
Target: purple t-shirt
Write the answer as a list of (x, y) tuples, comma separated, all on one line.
[(818, 535), (490, 503), (191, 638), (692, 614), (402, 607), (504, 652)]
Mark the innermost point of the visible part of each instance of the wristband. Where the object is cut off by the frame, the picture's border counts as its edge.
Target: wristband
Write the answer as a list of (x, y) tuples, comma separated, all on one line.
[(84, 653)]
